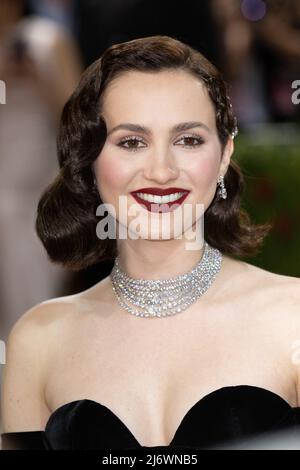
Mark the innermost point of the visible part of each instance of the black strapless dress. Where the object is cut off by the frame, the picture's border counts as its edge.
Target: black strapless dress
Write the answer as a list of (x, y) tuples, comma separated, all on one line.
[(226, 415)]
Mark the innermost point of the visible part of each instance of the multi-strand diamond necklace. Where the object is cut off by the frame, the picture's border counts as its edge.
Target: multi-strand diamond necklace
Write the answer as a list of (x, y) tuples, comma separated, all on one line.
[(165, 297)]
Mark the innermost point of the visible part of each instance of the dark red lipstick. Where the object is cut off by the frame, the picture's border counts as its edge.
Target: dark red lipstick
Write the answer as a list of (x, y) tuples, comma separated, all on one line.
[(159, 191), (163, 206)]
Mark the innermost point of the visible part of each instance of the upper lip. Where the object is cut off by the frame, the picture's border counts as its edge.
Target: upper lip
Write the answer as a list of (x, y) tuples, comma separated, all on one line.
[(160, 192)]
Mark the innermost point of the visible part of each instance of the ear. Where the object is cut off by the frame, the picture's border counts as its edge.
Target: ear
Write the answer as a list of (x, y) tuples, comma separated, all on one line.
[(226, 155)]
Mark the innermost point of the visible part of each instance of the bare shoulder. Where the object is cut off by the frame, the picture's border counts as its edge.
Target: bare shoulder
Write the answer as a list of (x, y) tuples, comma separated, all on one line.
[(40, 323), (264, 283), (35, 325), (28, 348), (281, 287), (271, 299), (271, 302), (32, 347)]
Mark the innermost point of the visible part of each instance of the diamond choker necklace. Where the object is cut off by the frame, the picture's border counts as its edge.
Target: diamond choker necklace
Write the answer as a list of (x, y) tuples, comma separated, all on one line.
[(165, 297)]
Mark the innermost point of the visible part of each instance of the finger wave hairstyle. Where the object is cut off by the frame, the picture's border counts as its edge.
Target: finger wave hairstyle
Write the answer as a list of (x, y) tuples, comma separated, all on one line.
[(66, 213)]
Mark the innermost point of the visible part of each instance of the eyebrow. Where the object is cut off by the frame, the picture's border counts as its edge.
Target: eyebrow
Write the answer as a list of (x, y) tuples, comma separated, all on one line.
[(181, 126)]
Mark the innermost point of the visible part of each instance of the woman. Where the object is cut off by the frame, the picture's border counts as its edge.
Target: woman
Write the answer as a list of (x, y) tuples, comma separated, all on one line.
[(91, 370)]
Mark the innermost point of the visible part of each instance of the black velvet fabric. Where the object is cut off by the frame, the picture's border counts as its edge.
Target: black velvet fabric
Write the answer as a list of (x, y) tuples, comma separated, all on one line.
[(226, 415)]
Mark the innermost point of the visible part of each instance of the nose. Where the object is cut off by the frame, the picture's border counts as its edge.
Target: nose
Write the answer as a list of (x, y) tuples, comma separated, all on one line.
[(161, 166)]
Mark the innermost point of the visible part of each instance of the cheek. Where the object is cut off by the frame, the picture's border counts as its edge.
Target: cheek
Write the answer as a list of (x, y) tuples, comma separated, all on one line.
[(111, 172), (205, 171)]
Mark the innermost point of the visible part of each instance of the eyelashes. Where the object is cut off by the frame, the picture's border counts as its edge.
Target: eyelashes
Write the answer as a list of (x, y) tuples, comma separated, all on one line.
[(130, 139)]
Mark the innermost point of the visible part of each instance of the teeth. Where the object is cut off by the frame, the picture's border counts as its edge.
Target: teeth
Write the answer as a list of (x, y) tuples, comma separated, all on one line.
[(160, 199)]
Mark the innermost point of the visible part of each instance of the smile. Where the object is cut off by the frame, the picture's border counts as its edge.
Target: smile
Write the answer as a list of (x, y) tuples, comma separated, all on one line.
[(155, 203)]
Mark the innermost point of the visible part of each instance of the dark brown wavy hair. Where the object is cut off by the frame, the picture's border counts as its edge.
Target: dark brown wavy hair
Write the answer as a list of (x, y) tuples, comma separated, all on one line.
[(66, 214)]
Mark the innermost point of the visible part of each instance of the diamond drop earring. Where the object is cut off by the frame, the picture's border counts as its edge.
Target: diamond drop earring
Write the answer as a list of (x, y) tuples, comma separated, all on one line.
[(222, 193)]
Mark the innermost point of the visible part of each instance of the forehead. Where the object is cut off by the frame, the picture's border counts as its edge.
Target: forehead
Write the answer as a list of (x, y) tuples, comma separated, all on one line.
[(157, 97)]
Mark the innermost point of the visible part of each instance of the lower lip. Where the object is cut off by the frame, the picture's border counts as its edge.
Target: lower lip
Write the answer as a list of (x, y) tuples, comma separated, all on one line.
[(160, 207)]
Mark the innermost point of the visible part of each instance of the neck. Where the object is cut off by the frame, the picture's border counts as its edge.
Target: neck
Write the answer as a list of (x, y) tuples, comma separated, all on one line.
[(157, 259)]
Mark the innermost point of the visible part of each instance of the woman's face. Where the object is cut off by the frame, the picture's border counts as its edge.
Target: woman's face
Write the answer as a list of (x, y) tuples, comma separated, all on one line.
[(160, 155)]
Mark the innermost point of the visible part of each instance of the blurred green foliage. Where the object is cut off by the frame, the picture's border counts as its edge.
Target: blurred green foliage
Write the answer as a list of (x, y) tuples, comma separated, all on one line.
[(271, 168)]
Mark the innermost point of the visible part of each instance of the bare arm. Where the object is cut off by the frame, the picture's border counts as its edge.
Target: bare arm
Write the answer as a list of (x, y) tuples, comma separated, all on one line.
[(58, 85), (68, 71), (23, 407)]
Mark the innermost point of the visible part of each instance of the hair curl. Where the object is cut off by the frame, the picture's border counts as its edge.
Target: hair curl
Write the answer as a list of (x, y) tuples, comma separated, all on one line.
[(66, 214)]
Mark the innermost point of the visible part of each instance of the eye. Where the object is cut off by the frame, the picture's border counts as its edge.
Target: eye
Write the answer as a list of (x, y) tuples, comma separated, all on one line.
[(193, 139), (129, 140)]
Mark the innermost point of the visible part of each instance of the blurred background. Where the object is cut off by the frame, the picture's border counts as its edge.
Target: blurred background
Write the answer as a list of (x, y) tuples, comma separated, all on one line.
[(44, 47)]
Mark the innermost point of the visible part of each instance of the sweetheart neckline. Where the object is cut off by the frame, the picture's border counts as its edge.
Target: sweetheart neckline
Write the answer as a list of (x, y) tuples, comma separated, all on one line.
[(185, 416)]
